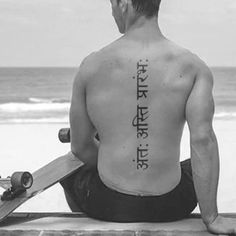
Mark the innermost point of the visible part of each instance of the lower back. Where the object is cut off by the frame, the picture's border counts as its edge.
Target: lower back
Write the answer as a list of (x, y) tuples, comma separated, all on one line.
[(119, 169)]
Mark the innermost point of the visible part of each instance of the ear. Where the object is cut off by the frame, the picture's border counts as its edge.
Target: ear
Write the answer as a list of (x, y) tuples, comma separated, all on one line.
[(123, 4)]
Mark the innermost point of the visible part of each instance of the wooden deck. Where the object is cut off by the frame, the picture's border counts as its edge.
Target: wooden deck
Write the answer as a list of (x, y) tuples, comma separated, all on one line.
[(63, 224)]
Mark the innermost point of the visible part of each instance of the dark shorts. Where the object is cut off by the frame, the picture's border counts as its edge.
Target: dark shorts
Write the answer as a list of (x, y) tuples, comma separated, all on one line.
[(85, 191)]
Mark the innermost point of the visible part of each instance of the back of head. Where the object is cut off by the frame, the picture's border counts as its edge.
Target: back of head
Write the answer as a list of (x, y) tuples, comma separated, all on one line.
[(148, 8), (126, 12)]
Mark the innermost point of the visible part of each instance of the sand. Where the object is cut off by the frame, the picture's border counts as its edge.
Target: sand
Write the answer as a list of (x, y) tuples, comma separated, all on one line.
[(26, 147)]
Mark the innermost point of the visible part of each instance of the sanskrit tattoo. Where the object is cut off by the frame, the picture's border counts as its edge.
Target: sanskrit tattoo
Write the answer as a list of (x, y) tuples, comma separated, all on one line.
[(140, 121), (142, 157)]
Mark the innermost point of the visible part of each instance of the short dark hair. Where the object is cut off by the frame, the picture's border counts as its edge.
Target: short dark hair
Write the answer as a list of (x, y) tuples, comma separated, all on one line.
[(148, 8)]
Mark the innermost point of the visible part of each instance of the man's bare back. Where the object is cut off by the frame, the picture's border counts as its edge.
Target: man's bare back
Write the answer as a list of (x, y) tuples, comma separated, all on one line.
[(137, 93), (147, 162)]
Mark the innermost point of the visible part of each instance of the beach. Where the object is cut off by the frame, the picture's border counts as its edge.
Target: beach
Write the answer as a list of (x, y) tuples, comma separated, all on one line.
[(27, 147)]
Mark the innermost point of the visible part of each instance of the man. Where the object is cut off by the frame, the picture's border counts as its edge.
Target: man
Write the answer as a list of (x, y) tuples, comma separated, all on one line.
[(137, 93)]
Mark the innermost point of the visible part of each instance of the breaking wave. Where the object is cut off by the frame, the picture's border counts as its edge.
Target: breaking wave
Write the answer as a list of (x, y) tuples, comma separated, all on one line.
[(52, 120), (225, 115), (34, 107), (47, 100), (56, 110)]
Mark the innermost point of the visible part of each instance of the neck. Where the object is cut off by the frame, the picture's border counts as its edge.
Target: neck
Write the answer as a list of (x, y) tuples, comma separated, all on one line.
[(142, 26)]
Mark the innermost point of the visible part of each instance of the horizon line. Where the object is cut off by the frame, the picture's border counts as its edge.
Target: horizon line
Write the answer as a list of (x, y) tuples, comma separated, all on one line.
[(5, 67)]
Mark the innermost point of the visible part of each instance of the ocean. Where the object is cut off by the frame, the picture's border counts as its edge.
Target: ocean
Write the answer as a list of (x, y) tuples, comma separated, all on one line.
[(35, 95), (42, 95)]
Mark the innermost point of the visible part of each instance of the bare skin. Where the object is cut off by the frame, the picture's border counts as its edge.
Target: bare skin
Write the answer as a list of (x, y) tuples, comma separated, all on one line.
[(179, 88)]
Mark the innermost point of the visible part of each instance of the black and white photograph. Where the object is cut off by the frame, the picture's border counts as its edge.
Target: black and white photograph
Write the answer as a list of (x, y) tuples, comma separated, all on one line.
[(118, 117)]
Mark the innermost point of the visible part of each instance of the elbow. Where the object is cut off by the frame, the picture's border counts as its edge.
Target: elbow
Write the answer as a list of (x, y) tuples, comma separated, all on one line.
[(79, 154), (204, 139), (85, 152), (77, 151)]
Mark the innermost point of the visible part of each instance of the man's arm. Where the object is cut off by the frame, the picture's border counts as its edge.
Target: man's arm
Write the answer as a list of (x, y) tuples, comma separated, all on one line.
[(82, 130), (204, 148), (204, 151)]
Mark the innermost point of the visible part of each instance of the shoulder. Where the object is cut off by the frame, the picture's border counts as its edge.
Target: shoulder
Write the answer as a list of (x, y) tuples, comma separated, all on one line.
[(202, 76), (201, 69), (87, 69), (88, 65), (92, 64), (190, 62)]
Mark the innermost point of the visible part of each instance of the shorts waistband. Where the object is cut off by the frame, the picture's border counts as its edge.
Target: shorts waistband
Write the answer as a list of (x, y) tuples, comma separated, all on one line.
[(111, 187)]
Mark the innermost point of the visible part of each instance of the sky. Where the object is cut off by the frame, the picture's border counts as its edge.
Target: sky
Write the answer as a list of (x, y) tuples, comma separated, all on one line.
[(63, 32)]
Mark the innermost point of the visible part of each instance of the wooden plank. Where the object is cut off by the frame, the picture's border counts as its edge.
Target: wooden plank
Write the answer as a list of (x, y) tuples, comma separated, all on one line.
[(77, 224)]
